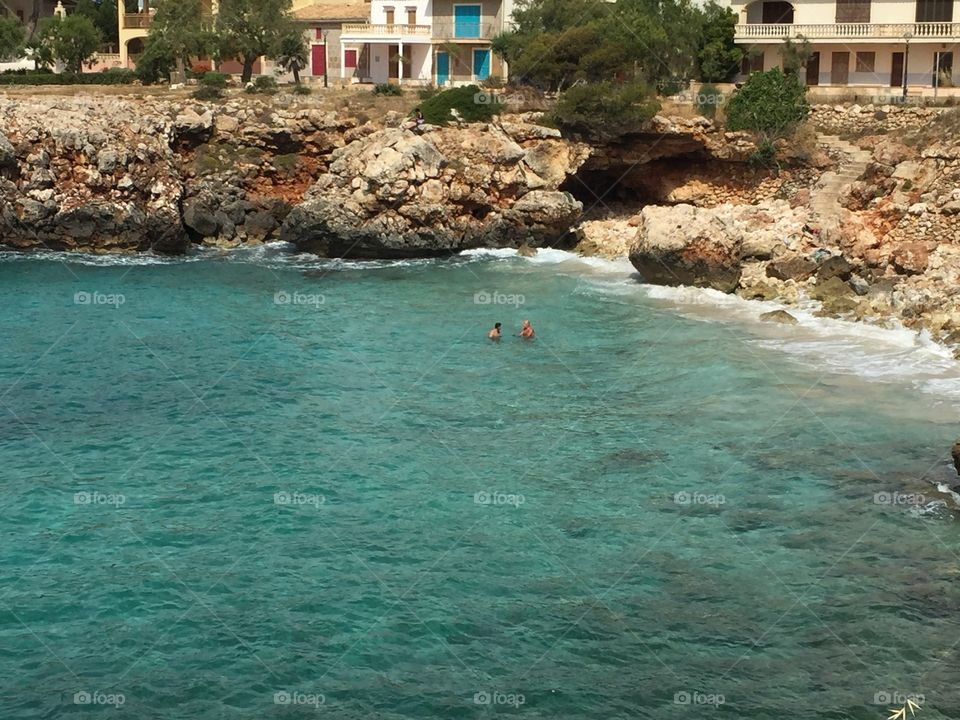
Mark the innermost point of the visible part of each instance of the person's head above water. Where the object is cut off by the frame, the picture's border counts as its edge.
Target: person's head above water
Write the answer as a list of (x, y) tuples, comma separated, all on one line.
[(496, 326), (526, 323)]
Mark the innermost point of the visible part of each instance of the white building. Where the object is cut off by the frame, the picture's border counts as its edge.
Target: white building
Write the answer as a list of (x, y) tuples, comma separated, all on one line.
[(428, 42), (857, 43)]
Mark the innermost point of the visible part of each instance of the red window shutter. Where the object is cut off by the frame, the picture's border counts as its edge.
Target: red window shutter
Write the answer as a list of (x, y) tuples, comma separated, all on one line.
[(350, 59), (319, 33)]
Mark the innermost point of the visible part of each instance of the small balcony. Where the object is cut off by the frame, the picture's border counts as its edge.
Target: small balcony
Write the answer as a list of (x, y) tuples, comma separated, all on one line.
[(362, 31), (137, 21), (864, 32), (447, 31)]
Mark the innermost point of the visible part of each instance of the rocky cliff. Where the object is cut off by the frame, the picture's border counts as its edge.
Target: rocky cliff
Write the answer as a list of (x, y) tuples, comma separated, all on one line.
[(886, 245), (118, 174)]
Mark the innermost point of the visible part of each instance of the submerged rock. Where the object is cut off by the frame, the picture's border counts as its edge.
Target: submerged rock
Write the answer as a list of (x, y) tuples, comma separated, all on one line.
[(779, 316)]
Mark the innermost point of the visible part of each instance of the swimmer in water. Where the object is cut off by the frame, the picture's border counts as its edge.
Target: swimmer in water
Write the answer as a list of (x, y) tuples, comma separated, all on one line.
[(495, 333), (526, 332)]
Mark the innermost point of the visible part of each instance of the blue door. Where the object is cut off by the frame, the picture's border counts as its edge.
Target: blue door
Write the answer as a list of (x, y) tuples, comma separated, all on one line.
[(481, 64), (466, 21), (443, 69)]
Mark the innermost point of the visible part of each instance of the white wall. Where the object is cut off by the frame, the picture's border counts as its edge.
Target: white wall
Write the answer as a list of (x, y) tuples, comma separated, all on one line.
[(420, 66), (815, 12), (919, 64), (378, 15)]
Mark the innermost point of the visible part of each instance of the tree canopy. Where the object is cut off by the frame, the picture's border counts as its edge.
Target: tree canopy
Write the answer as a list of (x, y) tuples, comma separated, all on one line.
[(103, 13), (655, 42), (72, 40), (292, 53), (248, 29), (12, 37), (770, 103), (718, 56), (177, 35)]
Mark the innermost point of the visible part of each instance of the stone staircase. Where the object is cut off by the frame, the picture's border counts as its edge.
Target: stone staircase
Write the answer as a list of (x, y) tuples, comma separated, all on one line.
[(824, 200)]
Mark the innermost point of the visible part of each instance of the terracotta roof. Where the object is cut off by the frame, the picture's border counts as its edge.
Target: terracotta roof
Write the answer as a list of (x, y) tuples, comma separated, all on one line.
[(357, 12)]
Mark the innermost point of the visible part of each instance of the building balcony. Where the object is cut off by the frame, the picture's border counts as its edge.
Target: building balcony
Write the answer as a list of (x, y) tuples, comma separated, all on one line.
[(369, 32), (861, 32), (447, 31), (439, 31), (137, 21)]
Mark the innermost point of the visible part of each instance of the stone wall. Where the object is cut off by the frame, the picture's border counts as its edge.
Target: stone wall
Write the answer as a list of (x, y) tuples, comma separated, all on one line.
[(869, 119), (708, 184)]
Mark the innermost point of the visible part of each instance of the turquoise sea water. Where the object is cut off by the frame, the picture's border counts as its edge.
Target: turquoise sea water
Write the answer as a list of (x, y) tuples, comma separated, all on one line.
[(265, 486)]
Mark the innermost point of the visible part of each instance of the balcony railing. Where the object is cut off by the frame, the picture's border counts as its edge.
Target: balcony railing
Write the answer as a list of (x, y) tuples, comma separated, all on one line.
[(440, 30), (463, 31), (137, 21), (893, 31), (391, 30)]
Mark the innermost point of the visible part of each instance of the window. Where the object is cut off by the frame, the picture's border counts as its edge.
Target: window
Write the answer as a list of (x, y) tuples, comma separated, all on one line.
[(319, 33), (853, 11), (778, 12), (866, 62), (389, 13), (411, 16), (350, 59), (934, 11)]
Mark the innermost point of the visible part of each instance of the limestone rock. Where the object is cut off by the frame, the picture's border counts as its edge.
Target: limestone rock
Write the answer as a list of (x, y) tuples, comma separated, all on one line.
[(835, 266), (686, 245), (8, 155), (791, 266), (779, 316)]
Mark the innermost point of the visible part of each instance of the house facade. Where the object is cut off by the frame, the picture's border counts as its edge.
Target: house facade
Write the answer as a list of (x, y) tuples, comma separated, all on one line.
[(882, 44), (323, 24), (427, 42)]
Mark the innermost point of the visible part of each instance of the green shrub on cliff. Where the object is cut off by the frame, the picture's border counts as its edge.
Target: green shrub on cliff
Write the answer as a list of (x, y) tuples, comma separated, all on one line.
[(387, 89), (604, 111), (469, 103), (214, 79), (708, 98), (770, 103)]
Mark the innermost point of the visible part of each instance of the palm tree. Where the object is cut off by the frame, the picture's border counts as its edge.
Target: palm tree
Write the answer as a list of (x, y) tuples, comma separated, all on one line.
[(292, 54)]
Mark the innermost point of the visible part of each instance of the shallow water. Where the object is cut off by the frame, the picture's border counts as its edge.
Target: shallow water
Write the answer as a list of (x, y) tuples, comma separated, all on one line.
[(266, 485)]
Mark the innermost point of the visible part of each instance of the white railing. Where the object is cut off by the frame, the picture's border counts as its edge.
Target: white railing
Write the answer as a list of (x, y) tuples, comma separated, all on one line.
[(774, 31), (463, 31), (395, 29)]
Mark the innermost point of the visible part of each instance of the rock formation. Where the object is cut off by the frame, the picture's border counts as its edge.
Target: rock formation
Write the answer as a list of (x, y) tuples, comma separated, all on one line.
[(396, 193)]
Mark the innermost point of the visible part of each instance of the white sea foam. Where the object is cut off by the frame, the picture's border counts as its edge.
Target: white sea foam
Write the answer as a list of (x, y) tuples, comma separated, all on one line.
[(94, 260)]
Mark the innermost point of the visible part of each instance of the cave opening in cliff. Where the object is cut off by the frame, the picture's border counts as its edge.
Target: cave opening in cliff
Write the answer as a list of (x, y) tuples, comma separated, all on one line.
[(610, 187)]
